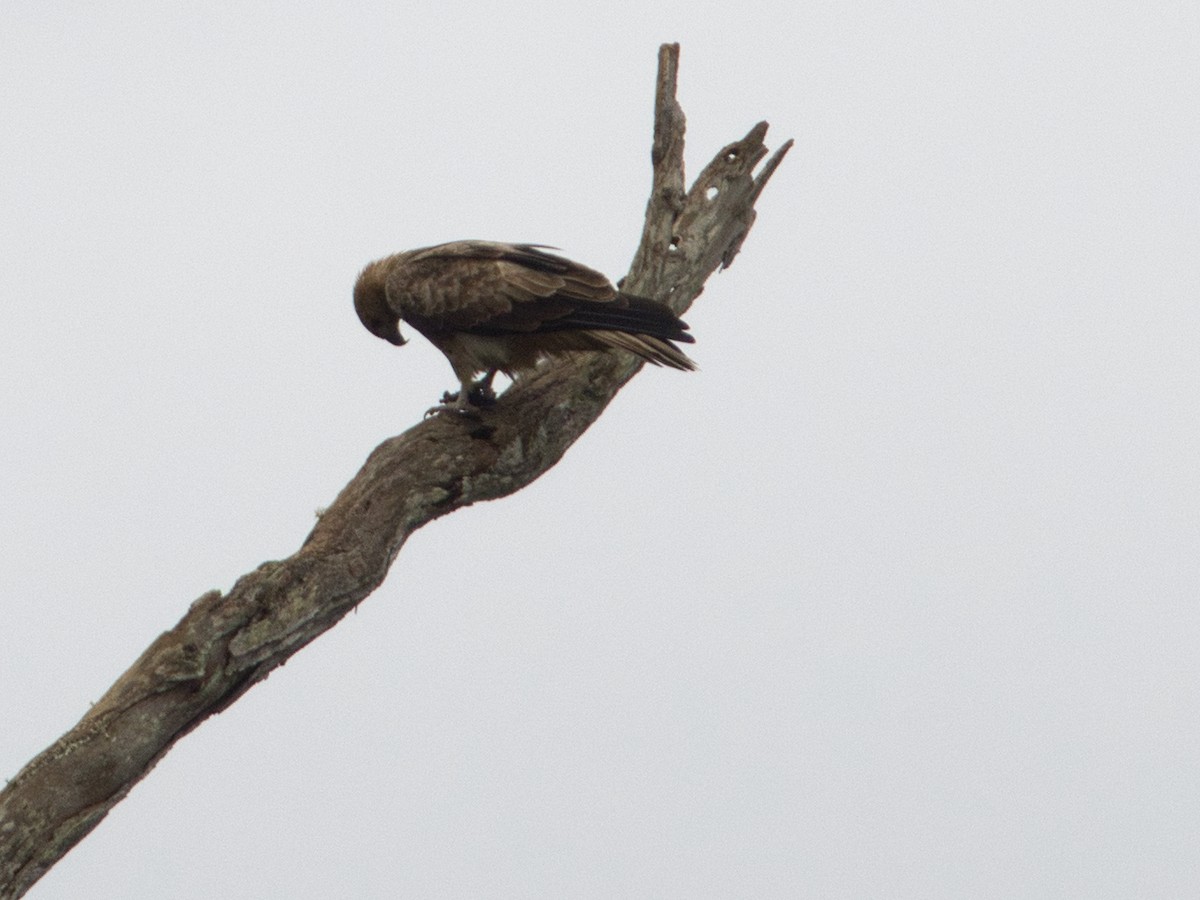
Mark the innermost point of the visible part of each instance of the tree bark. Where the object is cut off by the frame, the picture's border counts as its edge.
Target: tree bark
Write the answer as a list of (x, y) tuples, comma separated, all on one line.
[(225, 644)]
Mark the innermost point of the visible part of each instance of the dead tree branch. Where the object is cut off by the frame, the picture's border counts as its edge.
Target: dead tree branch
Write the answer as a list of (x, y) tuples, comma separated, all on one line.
[(227, 643)]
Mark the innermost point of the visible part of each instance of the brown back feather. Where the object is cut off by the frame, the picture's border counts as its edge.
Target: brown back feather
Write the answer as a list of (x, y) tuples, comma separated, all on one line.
[(495, 289)]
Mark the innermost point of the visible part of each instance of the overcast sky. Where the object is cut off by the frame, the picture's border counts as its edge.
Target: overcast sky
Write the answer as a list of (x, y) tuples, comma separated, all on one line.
[(898, 596)]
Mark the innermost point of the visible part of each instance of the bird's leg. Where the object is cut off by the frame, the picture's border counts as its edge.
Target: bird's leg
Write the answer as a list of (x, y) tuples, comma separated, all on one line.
[(459, 404), (470, 396), (481, 392)]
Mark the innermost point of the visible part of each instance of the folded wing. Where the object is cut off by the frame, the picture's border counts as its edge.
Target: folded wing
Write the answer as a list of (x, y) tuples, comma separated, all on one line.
[(496, 290)]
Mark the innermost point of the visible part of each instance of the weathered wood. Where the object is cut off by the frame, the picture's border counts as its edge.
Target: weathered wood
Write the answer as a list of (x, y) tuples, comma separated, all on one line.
[(225, 644)]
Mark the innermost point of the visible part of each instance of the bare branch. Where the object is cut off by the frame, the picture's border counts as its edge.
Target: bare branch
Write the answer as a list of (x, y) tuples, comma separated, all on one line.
[(225, 644), (667, 194)]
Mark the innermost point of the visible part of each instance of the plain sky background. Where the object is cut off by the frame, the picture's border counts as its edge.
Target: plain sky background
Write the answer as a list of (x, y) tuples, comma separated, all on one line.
[(899, 596)]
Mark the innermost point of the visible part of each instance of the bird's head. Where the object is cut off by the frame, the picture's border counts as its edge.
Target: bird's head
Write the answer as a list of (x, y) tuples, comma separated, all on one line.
[(370, 302)]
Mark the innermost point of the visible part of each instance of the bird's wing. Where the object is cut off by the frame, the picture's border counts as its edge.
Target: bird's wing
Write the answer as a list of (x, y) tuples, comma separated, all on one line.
[(471, 284), (489, 288)]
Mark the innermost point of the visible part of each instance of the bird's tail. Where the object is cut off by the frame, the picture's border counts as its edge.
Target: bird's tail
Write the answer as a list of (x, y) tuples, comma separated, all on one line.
[(656, 350)]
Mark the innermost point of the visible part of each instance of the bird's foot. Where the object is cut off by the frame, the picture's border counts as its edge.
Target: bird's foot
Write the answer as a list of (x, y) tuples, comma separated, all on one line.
[(481, 393), (480, 396), (456, 405), (465, 412), (472, 397)]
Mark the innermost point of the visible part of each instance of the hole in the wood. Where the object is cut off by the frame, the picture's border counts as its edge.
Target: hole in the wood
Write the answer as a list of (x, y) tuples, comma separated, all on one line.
[(711, 193), (731, 156), (674, 245)]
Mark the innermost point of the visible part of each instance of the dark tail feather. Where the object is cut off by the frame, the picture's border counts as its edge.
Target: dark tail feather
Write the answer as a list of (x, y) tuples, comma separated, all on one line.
[(652, 349), (632, 315)]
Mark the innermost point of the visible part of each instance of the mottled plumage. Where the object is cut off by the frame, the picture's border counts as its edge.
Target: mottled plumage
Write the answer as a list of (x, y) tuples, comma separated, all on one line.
[(493, 307)]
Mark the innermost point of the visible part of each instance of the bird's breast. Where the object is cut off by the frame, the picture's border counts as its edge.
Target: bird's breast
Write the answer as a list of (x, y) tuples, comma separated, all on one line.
[(474, 353)]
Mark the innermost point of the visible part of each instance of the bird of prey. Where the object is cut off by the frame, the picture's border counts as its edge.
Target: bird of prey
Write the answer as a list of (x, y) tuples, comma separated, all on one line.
[(493, 307)]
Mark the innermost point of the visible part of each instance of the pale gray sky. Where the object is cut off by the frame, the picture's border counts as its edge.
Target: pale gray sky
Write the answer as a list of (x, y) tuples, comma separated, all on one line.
[(899, 596)]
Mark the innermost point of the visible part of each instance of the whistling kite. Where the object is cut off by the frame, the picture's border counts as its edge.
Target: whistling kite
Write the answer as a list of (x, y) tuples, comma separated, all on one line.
[(493, 307)]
